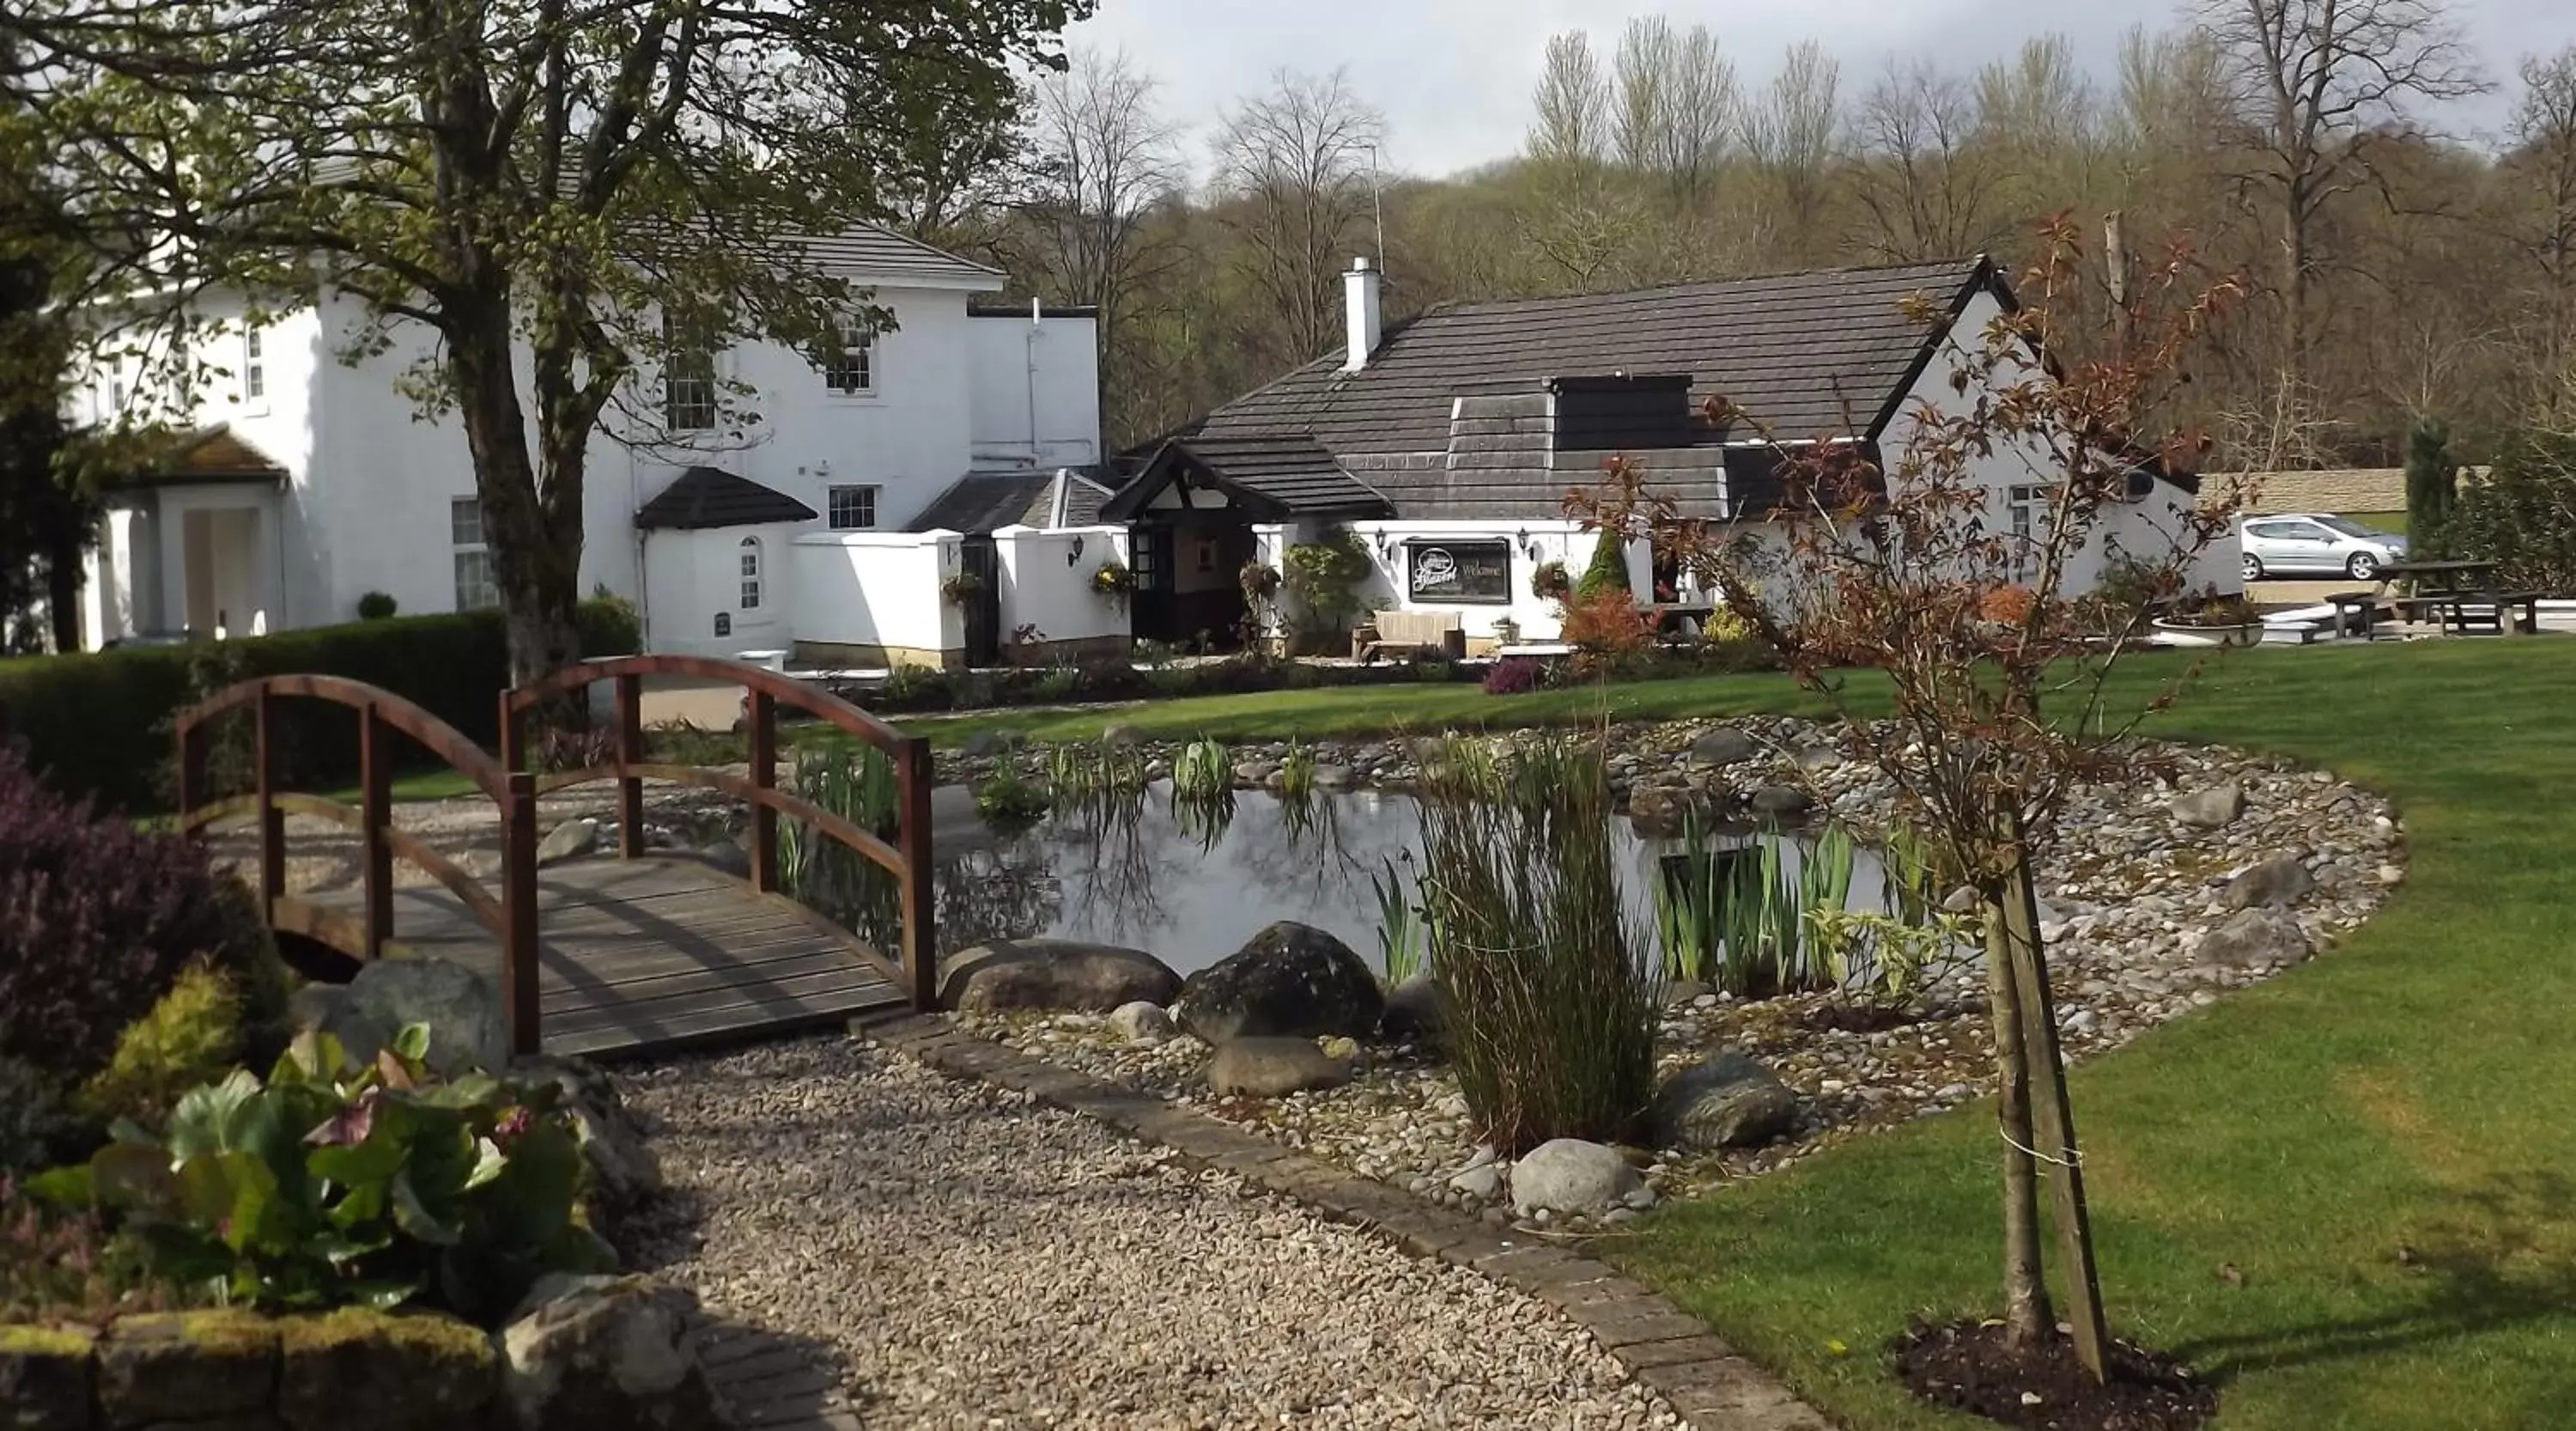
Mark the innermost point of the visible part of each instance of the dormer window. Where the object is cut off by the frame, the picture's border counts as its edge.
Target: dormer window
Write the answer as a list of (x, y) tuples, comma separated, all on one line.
[(850, 359)]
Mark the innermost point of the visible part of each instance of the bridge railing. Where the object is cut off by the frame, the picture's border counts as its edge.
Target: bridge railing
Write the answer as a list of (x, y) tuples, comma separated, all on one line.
[(511, 917), (908, 859)]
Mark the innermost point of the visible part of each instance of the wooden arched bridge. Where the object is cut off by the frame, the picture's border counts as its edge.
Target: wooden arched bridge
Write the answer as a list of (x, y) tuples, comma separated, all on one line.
[(643, 953)]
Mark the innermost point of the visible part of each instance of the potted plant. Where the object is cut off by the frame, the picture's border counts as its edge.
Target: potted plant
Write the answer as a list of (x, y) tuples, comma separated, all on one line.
[(2210, 619), (961, 588), (1551, 582), (1507, 632), (1260, 580), (1113, 581)]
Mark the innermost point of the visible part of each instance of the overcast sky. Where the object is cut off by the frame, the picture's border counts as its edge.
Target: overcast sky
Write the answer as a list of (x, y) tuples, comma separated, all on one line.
[(1454, 76)]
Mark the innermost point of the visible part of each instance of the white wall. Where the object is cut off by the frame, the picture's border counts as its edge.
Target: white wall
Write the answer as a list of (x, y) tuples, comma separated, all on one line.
[(1046, 585), (877, 589), (690, 578), (1539, 619), (1035, 396)]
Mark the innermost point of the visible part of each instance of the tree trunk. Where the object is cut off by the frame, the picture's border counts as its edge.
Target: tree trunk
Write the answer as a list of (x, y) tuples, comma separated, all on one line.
[(63, 588), (2027, 1316), (536, 571)]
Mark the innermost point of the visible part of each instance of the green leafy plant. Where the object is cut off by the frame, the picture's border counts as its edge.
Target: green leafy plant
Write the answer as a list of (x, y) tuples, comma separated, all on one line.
[(1325, 577), (1749, 909), (1056, 683), (334, 1182), (1548, 1015), (375, 606), (1402, 939), (960, 588), (2523, 516), (1551, 581), (192, 1036), (1009, 802), (858, 783), (1114, 581), (1297, 772), (1607, 573), (1202, 771)]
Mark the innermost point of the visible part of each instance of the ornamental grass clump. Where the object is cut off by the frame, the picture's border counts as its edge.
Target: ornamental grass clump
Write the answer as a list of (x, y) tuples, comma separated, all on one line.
[(1548, 1014)]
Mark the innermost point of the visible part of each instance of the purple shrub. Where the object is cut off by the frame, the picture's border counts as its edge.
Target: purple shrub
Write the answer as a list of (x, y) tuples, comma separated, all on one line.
[(97, 918), (1515, 675)]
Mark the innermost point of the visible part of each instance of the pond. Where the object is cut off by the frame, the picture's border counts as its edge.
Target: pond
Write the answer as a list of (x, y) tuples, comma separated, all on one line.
[(1192, 885)]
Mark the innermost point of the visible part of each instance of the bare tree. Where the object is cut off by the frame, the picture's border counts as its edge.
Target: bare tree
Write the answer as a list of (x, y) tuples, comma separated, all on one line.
[(1641, 121), (1924, 182), (1294, 169), (1104, 157), (1572, 100), (1789, 135), (2038, 120), (2540, 176), (2323, 83)]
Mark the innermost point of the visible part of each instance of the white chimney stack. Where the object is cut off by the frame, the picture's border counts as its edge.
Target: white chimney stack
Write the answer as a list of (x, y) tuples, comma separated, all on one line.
[(1360, 304)]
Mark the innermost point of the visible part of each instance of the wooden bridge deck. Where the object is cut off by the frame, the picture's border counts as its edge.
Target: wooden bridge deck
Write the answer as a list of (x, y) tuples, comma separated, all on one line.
[(649, 955)]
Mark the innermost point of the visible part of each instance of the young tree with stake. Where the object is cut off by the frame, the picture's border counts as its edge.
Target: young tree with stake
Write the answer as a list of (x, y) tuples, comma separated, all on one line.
[(1994, 651)]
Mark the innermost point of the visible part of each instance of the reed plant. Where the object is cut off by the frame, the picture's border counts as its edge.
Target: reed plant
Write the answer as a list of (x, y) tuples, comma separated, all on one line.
[(1547, 1010), (858, 783)]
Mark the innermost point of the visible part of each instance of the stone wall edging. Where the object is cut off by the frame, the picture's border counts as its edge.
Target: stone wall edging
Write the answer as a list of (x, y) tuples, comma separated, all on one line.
[(1712, 1387)]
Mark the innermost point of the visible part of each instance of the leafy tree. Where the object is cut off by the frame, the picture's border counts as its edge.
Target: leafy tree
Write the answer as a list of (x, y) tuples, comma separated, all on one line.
[(2523, 516), (565, 200), (46, 518)]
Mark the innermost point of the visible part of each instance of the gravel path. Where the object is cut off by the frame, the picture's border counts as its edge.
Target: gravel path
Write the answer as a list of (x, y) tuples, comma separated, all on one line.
[(983, 1261)]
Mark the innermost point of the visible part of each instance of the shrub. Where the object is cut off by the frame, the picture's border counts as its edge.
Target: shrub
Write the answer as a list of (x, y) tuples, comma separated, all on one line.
[(1607, 623), (335, 1183), (1514, 675), (2523, 517), (1548, 1014), (375, 606), (97, 723), (97, 918), (192, 1036), (63, 1265), (1608, 571), (1009, 802), (2006, 605), (1324, 577)]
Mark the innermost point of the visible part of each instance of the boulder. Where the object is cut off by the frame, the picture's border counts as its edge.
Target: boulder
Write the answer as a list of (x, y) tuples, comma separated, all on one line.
[(1269, 1067), (1781, 800), (1412, 1011), (411, 1373), (623, 1168), (1483, 1182), (44, 1378), (2260, 938), (1571, 1176), (727, 854), (2280, 879), (603, 1354), (1728, 1101), (333, 1009), (2210, 809), (1142, 1022), (1336, 777), (186, 1366), (461, 1007), (1725, 745), (1053, 974), (1290, 979), (1656, 808), (570, 840)]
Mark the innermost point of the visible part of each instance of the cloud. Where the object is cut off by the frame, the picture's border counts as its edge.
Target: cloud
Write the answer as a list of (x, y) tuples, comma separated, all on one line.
[(1454, 76)]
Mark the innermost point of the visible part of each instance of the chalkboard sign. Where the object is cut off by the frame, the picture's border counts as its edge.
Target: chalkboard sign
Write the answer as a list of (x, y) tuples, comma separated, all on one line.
[(1470, 571)]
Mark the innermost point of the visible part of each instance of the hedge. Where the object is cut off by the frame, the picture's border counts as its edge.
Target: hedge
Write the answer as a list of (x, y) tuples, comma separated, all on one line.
[(98, 723)]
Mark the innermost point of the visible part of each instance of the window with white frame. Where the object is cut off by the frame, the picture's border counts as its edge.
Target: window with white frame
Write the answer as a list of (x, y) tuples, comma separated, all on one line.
[(850, 508), (850, 359), (115, 396), (688, 379), (476, 588), (254, 368), (750, 574), (2029, 506)]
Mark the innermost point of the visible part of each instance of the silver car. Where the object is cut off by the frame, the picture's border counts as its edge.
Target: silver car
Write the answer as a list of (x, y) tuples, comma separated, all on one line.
[(2316, 544)]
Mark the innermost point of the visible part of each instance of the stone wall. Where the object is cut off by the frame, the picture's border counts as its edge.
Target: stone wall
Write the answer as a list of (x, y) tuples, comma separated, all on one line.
[(2347, 489), (248, 1373)]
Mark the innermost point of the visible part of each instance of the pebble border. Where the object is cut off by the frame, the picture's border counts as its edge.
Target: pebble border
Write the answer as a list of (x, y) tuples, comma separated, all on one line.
[(1712, 1386)]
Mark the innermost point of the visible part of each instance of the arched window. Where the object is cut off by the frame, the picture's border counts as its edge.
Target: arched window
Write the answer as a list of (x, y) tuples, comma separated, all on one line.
[(751, 573)]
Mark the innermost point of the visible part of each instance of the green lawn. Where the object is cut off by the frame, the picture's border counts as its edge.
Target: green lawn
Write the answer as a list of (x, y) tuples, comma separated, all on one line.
[(2393, 523)]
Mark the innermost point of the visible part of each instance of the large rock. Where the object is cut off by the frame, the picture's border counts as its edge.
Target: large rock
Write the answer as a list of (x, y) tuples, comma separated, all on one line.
[(334, 1009), (186, 1366), (44, 1378), (1569, 1175), (2281, 879), (1142, 1022), (623, 1168), (568, 841), (1728, 1101), (2210, 809), (1053, 974), (1269, 1067), (1412, 1010), (461, 1007), (1290, 979), (603, 1354), (1724, 745), (1781, 800), (2260, 938), (411, 1373)]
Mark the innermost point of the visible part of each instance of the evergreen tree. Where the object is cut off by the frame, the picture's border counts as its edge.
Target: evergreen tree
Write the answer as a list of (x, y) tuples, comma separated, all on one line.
[(2432, 481), (1609, 568)]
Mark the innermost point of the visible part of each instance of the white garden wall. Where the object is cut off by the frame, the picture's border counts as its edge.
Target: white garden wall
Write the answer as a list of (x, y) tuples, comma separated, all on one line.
[(1046, 584), (871, 597)]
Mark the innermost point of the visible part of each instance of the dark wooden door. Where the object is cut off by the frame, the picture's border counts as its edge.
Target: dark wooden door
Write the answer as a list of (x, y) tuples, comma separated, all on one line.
[(983, 611), (1151, 619)]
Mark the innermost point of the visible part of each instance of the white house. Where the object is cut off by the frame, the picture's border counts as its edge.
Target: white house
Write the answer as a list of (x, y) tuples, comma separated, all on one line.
[(309, 483), (1448, 444)]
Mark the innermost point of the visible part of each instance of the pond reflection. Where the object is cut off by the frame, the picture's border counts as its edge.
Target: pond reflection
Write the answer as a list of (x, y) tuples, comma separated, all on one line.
[(1192, 880)]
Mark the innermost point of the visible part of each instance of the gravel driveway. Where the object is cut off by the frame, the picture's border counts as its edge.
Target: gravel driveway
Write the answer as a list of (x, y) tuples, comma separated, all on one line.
[(983, 1261)]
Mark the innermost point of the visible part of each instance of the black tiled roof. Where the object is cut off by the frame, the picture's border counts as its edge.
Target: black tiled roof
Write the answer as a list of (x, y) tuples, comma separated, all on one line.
[(708, 497), (1276, 476), (982, 502), (1810, 354)]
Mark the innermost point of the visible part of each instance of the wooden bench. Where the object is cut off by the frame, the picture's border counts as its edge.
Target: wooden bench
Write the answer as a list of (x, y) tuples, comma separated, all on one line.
[(1436, 633), (2356, 613), (2462, 612)]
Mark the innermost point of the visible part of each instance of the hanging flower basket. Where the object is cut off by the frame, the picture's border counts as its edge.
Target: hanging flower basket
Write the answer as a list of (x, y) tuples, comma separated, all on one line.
[(961, 588), (1551, 582), (1113, 581), (1260, 580)]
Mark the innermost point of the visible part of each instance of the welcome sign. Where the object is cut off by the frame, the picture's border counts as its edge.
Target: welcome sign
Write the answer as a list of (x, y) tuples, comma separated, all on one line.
[(1475, 571)]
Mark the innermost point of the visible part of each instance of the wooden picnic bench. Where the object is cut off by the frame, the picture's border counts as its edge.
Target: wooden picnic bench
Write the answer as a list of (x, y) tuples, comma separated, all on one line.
[(1389, 633), (2494, 613)]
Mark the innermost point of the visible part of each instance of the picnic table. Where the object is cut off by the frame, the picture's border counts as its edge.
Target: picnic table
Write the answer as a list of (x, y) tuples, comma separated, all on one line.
[(2458, 594)]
